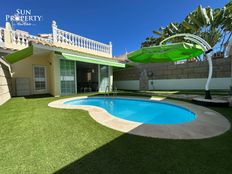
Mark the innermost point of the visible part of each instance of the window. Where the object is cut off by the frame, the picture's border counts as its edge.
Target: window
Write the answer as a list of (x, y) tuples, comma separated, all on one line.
[(40, 78)]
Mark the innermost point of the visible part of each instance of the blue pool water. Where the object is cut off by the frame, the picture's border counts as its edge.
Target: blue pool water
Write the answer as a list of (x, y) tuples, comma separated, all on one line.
[(143, 111)]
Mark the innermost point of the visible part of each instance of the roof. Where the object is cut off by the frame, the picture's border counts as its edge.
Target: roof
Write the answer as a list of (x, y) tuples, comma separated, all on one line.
[(67, 54)]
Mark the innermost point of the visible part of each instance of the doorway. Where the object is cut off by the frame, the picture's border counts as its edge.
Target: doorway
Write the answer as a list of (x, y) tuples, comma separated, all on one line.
[(87, 77)]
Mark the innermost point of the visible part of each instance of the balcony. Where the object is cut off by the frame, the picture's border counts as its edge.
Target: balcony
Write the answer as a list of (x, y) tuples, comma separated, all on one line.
[(17, 39)]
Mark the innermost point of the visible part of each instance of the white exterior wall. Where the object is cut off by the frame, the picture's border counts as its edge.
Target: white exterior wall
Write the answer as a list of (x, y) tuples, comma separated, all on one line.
[(190, 84), (177, 84)]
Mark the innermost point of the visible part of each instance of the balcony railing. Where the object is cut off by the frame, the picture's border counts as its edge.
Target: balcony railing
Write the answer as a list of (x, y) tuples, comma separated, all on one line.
[(2, 38), (64, 37), (20, 39)]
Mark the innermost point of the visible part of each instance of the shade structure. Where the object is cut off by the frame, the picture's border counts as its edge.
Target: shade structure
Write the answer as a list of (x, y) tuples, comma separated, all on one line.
[(166, 53), (29, 51), (19, 55), (94, 60)]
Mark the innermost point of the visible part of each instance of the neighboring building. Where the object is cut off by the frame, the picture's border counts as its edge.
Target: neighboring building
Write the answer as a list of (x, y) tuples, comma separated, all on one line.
[(60, 63)]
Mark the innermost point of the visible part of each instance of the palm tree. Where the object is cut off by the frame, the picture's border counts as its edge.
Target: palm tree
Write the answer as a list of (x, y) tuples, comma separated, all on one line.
[(204, 22), (227, 24), (150, 41), (213, 25)]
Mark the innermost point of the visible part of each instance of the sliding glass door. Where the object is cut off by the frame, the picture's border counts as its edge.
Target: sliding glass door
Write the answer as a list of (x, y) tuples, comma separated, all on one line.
[(67, 77), (104, 77)]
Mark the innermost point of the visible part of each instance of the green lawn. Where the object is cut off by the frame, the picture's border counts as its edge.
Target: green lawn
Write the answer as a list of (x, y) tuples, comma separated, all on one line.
[(37, 139)]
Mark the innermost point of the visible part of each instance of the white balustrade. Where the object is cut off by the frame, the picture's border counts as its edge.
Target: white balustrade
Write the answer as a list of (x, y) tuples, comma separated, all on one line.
[(21, 38), (68, 38), (18, 38), (2, 36), (36, 38)]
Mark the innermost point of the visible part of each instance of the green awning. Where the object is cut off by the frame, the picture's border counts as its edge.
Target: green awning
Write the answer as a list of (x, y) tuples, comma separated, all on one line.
[(166, 53), (19, 55), (26, 52), (95, 60)]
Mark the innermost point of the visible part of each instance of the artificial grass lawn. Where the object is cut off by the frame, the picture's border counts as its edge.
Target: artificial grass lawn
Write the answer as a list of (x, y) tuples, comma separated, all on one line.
[(35, 138)]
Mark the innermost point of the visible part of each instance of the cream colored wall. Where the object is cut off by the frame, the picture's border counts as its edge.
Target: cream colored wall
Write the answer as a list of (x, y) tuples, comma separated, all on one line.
[(55, 74), (83, 50), (24, 69)]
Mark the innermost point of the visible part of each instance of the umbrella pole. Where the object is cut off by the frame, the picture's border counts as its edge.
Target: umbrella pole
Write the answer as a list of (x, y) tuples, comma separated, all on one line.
[(207, 91), (207, 48)]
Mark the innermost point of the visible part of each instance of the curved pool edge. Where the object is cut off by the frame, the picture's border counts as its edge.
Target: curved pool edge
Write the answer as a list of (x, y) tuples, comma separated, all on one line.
[(208, 123), (192, 115)]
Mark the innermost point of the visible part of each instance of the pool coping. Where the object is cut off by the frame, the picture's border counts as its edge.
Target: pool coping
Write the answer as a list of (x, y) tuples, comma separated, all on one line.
[(208, 123)]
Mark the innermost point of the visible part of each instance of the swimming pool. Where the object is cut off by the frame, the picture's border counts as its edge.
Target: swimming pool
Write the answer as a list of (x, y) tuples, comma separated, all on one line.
[(142, 111)]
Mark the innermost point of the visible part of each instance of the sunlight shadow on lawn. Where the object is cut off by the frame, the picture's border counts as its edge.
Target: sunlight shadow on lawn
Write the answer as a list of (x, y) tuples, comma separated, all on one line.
[(125, 154)]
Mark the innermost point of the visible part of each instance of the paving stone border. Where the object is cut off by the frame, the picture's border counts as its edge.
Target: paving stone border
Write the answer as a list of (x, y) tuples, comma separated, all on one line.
[(208, 123)]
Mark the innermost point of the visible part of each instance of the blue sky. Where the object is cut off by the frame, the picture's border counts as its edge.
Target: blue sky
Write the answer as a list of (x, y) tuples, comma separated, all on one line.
[(126, 23)]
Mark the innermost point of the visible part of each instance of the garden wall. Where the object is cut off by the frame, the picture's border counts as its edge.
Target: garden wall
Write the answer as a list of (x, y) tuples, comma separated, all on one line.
[(168, 76), (5, 83)]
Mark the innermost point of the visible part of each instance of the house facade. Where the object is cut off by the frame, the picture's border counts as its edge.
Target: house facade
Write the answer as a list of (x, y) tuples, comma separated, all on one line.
[(59, 63)]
